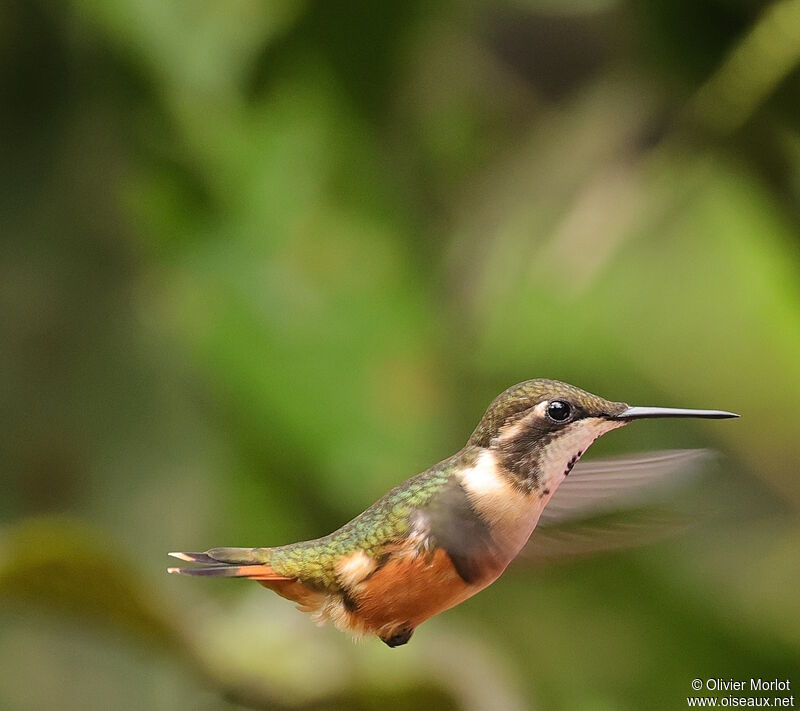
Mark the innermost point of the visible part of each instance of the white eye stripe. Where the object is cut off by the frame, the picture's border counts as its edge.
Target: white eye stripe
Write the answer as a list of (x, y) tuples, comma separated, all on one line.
[(541, 409)]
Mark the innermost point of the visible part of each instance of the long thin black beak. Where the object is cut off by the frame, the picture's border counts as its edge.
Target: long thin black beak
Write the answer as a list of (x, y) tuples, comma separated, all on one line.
[(639, 413)]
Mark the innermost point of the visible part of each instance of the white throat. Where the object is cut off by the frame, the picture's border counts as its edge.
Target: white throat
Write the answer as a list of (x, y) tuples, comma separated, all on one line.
[(565, 450), (512, 512)]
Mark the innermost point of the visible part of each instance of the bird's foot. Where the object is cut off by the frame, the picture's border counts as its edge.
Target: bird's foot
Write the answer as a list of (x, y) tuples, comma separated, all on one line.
[(399, 637)]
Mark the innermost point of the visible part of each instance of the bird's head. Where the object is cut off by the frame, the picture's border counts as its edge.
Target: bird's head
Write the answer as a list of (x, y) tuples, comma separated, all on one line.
[(538, 429)]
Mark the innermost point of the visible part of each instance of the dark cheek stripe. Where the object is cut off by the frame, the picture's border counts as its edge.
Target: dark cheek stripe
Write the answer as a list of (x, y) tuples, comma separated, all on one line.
[(520, 458)]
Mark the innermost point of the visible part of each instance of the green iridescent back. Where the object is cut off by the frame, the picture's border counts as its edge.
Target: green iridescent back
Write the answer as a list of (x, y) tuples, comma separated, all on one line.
[(387, 521)]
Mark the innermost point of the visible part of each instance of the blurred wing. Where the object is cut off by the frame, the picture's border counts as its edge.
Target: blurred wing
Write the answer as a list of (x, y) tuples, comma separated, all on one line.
[(603, 486), (579, 520), (559, 544)]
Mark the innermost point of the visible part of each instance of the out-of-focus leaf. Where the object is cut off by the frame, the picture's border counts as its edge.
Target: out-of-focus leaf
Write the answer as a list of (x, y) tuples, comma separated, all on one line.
[(66, 567), (193, 48), (759, 62)]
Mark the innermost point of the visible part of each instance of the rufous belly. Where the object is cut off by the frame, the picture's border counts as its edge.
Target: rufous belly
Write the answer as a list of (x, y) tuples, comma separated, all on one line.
[(402, 593)]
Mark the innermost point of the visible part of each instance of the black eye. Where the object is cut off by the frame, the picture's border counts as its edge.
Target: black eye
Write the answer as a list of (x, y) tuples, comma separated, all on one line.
[(559, 411)]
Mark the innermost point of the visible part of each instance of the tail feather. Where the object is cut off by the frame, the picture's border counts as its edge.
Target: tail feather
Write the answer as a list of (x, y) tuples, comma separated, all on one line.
[(252, 572), (193, 557), (240, 556), (228, 563)]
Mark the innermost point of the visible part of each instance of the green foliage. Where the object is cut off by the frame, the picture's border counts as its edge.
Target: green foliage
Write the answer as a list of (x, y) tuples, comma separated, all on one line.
[(263, 261)]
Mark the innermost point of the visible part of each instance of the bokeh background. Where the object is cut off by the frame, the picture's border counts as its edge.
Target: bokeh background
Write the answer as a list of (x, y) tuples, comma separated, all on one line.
[(263, 260)]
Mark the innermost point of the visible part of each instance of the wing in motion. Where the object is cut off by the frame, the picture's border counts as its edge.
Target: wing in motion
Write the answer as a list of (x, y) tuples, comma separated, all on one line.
[(568, 526)]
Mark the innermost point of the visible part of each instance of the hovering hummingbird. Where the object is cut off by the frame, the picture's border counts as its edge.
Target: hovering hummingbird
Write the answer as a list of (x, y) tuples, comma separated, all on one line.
[(448, 532)]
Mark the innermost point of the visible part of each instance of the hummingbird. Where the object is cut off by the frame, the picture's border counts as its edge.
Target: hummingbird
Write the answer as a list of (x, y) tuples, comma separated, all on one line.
[(447, 533)]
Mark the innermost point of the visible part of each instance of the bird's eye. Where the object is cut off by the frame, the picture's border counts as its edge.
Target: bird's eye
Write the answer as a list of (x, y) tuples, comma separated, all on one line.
[(559, 411)]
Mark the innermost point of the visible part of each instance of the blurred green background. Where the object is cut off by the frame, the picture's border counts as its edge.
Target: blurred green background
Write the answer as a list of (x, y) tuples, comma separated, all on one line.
[(264, 260)]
